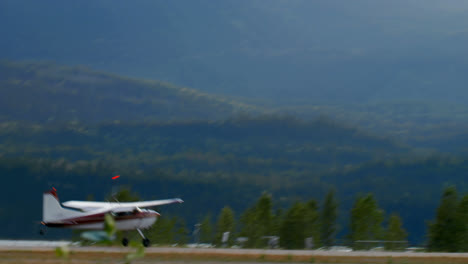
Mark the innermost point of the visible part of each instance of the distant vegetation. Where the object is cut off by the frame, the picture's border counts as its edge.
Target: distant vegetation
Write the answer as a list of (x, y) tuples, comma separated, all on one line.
[(45, 92), (54, 94), (409, 188), (72, 128), (430, 125), (268, 150)]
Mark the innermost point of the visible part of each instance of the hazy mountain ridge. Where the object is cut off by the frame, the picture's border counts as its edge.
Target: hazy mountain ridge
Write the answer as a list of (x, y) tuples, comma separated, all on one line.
[(283, 51), (51, 93)]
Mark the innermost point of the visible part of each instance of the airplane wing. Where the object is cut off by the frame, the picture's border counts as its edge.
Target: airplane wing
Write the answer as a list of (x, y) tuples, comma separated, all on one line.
[(144, 204), (90, 206), (87, 206)]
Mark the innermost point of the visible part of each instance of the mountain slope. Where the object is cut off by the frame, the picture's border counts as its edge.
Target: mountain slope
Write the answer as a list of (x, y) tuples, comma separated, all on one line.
[(241, 149), (440, 126), (322, 51), (41, 92)]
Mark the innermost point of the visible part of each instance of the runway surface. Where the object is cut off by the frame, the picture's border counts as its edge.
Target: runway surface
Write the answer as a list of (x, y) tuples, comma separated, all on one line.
[(48, 246), (32, 243)]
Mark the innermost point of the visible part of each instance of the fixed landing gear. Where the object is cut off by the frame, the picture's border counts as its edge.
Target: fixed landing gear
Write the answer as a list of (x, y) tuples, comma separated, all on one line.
[(125, 241), (145, 241)]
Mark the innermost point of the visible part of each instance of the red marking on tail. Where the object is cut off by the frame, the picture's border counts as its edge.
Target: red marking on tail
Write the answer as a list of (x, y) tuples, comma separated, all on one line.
[(53, 192), (116, 177)]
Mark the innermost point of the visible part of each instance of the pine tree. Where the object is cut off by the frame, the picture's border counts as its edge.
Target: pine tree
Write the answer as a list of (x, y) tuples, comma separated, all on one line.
[(366, 220), (443, 232), (462, 218), (276, 222), (264, 215), (312, 222), (225, 224), (328, 218), (395, 232), (163, 231), (292, 233), (257, 222), (206, 230), (249, 227), (182, 234)]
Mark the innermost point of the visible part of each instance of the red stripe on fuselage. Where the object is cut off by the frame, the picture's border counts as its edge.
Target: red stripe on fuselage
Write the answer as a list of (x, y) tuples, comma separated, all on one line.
[(97, 218)]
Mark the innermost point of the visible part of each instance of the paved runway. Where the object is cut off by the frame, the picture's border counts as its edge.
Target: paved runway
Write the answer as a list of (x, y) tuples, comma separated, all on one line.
[(32, 243), (43, 245)]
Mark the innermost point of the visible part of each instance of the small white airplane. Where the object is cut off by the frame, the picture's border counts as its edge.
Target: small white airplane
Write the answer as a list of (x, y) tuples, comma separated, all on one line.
[(90, 215)]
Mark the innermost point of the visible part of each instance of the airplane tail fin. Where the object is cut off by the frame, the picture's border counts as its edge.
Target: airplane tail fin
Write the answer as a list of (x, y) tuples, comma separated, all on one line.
[(51, 207)]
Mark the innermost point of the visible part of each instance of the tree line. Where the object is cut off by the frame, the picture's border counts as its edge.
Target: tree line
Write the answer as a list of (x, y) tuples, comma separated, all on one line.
[(448, 232), (42, 175), (254, 227)]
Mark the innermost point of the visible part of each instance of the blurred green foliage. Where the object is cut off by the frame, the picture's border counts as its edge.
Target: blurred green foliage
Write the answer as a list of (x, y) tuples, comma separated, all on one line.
[(225, 224), (328, 218), (366, 221), (396, 233), (448, 231), (62, 252)]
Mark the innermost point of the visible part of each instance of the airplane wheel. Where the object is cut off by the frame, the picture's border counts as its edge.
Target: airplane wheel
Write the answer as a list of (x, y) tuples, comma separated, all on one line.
[(146, 242), (125, 242)]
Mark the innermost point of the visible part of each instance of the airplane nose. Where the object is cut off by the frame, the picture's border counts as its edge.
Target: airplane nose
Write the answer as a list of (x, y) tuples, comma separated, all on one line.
[(152, 212)]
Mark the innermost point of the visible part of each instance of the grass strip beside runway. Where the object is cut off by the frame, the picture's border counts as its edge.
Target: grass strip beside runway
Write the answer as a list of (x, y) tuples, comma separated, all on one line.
[(157, 255)]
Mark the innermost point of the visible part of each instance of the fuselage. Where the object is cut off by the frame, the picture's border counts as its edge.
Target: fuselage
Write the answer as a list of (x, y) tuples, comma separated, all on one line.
[(141, 219)]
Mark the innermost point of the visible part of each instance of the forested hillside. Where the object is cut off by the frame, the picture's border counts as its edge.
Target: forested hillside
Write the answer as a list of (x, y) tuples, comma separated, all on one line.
[(441, 126), (50, 93), (264, 149), (46, 92)]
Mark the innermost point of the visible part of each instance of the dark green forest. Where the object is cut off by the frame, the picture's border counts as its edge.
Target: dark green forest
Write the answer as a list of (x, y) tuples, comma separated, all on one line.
[(440, 126), (75, 128), (236, 148)]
